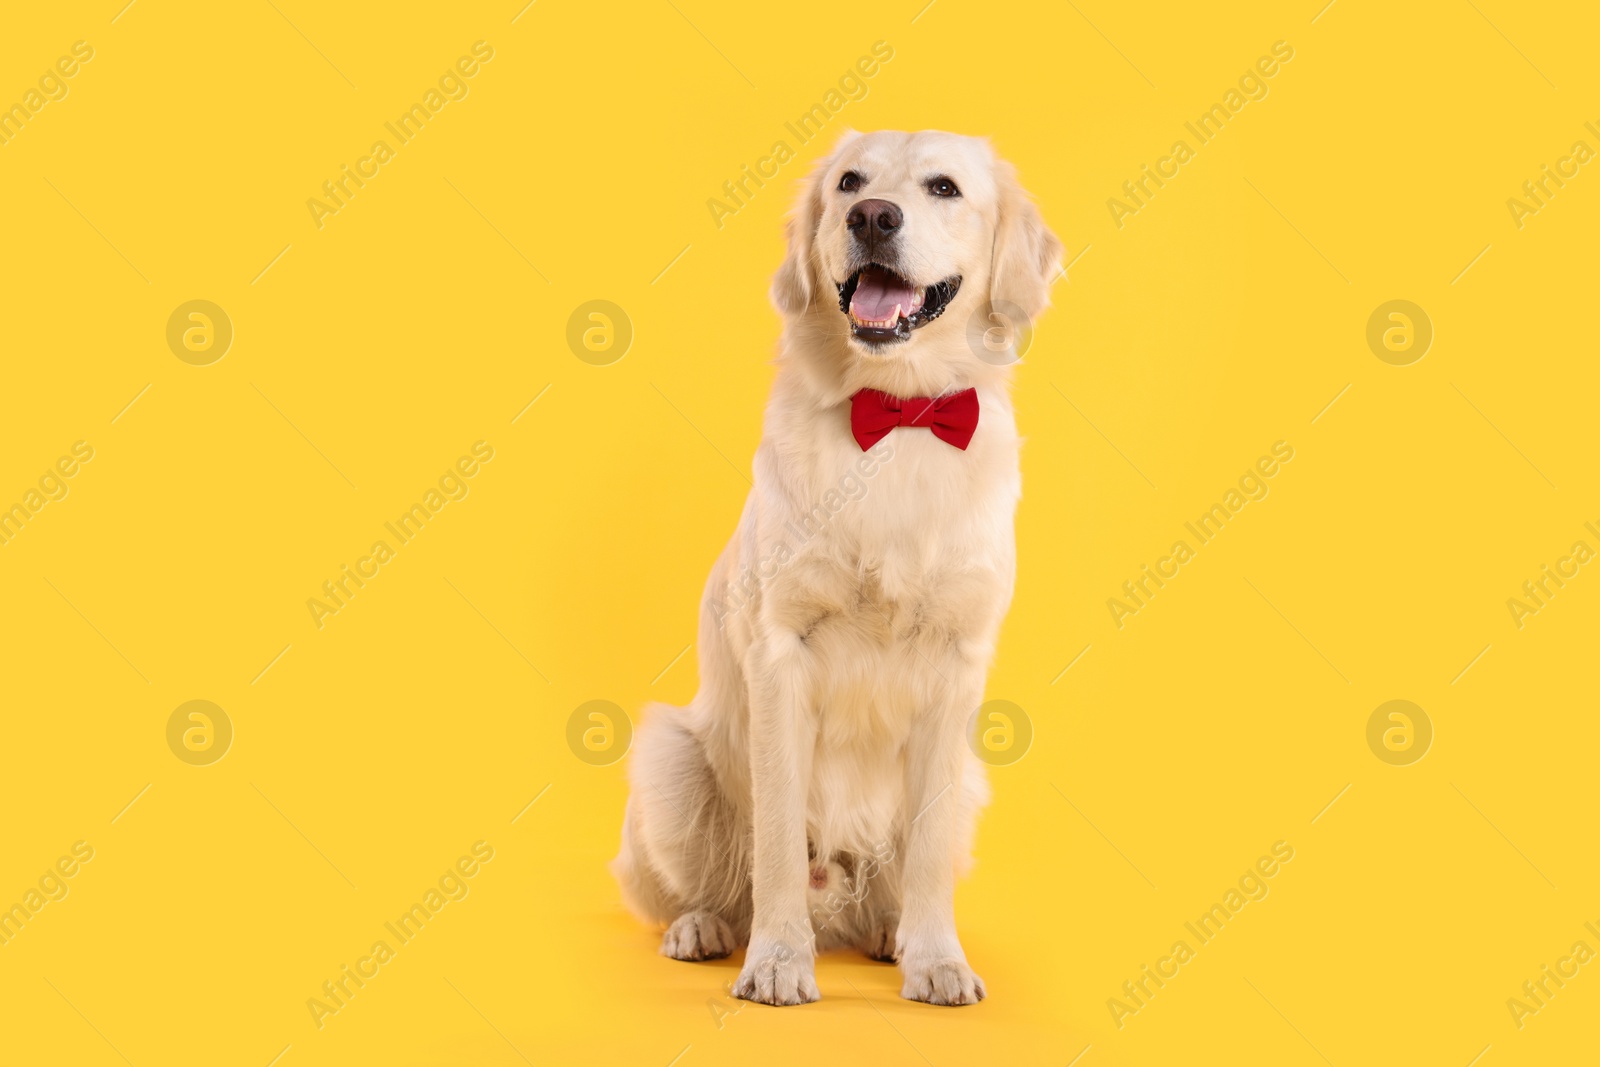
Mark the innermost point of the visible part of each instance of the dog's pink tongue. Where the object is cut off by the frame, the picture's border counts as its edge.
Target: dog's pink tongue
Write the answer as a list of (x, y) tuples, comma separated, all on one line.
[(878, 292)]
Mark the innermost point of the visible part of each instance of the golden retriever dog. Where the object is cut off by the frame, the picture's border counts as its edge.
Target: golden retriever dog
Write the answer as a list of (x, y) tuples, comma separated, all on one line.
[(819, 792)]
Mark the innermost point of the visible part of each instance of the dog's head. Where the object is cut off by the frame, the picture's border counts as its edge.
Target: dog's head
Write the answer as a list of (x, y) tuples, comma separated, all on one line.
[(900, 239)]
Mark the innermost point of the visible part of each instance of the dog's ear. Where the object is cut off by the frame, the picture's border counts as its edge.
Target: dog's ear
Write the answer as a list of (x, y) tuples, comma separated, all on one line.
[(1027, 256), (797, 282)]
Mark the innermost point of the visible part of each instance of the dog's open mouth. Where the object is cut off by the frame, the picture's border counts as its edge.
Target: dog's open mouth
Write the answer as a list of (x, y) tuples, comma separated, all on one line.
[(884, 308)]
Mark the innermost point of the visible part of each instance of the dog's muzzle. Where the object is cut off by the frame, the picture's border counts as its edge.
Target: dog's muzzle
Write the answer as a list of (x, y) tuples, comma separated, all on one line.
[(884, 308)]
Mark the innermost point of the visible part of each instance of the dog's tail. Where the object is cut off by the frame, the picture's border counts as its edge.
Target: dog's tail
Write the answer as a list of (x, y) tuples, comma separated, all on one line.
[(642, 891), (682, 845)]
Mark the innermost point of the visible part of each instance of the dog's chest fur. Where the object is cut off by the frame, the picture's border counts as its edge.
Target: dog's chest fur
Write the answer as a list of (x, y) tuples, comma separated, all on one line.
[(901, 585), (915, 544)]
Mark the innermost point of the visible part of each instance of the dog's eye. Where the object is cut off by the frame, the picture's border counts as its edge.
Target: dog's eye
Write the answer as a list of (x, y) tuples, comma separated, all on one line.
[(943, 187), (850, 182)]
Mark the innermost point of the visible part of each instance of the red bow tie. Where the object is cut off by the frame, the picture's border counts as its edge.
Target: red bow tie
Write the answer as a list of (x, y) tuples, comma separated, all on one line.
[(953, 418)]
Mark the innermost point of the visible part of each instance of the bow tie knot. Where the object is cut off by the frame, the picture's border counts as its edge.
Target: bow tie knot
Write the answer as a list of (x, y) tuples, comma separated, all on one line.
[(953, 418)]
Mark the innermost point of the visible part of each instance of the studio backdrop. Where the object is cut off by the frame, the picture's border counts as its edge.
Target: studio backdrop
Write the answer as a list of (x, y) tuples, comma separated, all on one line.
[(381, 383)]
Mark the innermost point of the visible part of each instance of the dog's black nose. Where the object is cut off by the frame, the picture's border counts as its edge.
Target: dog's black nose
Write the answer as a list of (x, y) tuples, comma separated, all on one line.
[(873, 219)]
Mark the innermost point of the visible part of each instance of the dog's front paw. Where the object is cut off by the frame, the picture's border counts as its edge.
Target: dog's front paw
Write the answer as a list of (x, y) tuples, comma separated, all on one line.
[(777, 974), (698, 935), (941, 981)]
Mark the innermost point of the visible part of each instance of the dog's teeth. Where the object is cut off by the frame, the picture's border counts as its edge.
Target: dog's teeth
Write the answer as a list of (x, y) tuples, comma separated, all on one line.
[(890, 323)]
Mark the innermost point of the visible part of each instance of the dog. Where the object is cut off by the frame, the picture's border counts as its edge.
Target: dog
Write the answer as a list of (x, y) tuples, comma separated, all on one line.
[(819, 791)]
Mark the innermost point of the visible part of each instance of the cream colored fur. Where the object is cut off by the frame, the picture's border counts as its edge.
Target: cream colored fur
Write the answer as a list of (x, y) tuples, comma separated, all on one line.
[(844, 650)]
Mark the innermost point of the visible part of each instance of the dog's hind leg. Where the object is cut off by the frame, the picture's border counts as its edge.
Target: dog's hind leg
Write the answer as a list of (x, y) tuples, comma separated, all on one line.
[(684, 858), (880, 905)]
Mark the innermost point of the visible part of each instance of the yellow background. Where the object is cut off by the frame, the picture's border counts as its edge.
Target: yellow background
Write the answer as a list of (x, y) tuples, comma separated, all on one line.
[(428, 713)]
